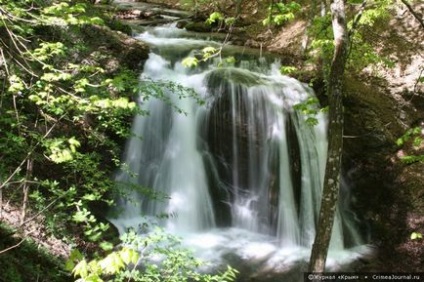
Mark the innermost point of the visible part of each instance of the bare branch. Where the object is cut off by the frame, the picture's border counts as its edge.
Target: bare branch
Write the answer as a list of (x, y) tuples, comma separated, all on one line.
[(415, 14), (6, 182), (43, 210), (357, 18), (12, 247)]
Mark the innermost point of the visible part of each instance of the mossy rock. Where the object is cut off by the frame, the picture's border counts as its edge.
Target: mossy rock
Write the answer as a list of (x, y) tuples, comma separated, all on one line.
[(198, 27), (233, 75)]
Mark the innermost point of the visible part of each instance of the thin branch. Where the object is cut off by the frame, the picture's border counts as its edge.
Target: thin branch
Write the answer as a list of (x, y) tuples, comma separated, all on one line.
[(14, 57), (418, 79), (357, 18), (4, 62), (25, 189), (18, 120), (411, 10), (1, 204), (355, 25), (16, 245), (13, 17), (12, 37), (12, 247), (43, 210), (18, 39), (6, 182)]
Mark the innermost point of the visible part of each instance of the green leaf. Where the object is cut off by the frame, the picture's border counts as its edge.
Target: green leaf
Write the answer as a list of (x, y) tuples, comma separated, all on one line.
[(412, 159), (287, 70), (112, 264), (416, 235), (417, 141), (90, 197), (209, 50), (56, 8), (311, 121), (81, 216), (106, 246), (129, 256), (230, 60), (16, 84), (190, 62), (81, 269), (230, 20), (214, 17)]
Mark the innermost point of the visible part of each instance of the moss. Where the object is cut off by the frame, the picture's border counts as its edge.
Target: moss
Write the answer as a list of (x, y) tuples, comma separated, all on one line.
[(233, 75), (198, 27)]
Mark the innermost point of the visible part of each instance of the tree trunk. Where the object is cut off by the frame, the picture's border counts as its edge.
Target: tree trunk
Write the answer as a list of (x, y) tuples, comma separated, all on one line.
[(335, 142)]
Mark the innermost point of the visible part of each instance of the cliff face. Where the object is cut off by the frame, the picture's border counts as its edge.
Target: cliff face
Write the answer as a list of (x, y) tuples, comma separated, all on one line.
[(381, 105)]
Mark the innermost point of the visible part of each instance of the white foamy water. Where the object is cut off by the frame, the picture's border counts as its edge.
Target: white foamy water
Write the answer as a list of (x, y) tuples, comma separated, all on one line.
[(243, 171)]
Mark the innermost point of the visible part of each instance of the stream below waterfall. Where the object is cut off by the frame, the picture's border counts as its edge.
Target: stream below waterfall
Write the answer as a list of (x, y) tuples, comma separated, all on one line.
[(242, 165)]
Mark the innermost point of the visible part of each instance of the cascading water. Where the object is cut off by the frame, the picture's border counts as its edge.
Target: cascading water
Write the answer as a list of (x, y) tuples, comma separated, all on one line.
[(243, 170)]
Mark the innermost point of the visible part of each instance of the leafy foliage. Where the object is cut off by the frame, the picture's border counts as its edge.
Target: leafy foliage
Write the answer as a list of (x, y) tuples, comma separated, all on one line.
[(362, 53), (287, 70), (65, 116), (160, 89), (61, 112), (214, 17), (219, 20), (46, 268), (154, 257), (416, 236), (280, 13), (309, 109), (414, 138)]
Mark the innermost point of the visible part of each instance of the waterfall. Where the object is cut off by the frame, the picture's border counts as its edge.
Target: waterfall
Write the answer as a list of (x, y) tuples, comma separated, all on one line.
[(245, 167)]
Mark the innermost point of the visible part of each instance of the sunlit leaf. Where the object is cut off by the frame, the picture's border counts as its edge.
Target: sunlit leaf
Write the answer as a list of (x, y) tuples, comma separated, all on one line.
[(190, 62), (81, 269)]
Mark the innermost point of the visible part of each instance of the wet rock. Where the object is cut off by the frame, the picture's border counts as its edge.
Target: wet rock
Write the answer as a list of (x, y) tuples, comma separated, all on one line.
[(387, 190), (182, 23), (253, 43), (198, 27)]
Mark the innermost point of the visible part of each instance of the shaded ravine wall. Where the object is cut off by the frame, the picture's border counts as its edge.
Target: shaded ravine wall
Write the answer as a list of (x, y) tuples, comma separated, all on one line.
[(388, 194)]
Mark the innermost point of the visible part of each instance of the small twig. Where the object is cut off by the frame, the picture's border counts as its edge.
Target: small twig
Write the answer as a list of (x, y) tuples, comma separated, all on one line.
[(357, 18), (25, 189), (1, 204), (4, 62), (418, 80), (355, 25), (11, 17), (14, 56), (12, 247), (43, 210), (6, 182), (411, 10), (18, 120), (16, 245)]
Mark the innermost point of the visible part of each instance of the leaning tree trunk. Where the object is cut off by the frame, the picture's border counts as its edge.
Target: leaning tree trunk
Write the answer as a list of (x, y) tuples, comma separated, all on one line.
[(335, 142)]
